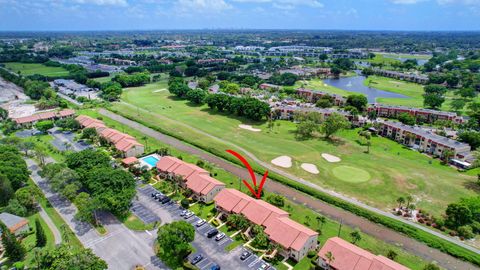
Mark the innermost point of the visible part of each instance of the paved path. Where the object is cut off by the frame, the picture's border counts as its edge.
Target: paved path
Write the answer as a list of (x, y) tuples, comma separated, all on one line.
[(119, 247), (56, 233), (374, 229)]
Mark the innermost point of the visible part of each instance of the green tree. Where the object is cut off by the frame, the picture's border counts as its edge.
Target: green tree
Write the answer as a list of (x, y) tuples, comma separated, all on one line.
[(367, 135), (392, 255), (196, 96), (431, 266), (458, 104), (261, 240), (406, 119), (6, 190), (237, 221), (333, 124), (14, 249), (306, 129), (330, 259), (67, 257), (358, 101), (356, 235), (276, 199), (433, 101), (400, 201), (41, 238), (44, 126), (174, 242), (458, 214)]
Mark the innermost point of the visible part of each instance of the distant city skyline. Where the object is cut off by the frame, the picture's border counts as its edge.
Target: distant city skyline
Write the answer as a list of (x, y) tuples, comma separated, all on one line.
[(81, 15)]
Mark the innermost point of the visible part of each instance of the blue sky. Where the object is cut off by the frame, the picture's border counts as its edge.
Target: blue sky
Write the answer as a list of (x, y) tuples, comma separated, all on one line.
[(239, 14)]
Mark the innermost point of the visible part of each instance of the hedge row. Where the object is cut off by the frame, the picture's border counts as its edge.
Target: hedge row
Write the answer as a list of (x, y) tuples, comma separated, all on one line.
[(427, 238)]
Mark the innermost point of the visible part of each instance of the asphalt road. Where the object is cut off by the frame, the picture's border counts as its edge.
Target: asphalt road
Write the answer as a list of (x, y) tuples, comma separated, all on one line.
[(371, 228)]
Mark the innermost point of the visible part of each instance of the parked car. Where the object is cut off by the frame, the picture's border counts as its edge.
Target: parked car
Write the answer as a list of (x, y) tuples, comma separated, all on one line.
[(188, 215), (200, 223), (196, 259), (154, 194), (165, 200), (264, 266), (183, 213), (212, 233), (219, 236), (215, 267), (245, 255), (170, 202)]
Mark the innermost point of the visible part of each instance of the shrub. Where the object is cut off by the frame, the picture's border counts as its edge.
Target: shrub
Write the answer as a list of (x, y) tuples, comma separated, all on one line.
[(311, 253), (185, 203), (466, 232)]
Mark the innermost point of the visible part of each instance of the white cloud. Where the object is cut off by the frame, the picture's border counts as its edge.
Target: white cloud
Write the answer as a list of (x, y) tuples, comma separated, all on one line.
[(285, 4), (406, 2), (464, 2)]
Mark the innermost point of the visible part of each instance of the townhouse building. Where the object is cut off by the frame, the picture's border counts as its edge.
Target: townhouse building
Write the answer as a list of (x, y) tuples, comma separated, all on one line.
[(198, 180), (347, 256), (28, 121), (294, 239)]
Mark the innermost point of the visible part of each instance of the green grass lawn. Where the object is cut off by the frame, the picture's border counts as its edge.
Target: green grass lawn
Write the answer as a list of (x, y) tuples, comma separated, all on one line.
[(391, 167), (298, 212), (318, 84), (27, 69), (30, 241), (132, 222)]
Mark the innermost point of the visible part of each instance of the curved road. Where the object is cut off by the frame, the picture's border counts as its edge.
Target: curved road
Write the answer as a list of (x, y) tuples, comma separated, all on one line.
[(56, 233), (346, 217)]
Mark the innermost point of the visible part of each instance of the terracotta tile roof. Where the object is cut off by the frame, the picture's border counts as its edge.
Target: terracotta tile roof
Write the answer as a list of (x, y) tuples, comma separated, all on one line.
[(187, 169), (232, 200), (43, 116), (13, 222), (129, 160), (350, 257), (168, 164), (289, 233), (202, 183), (279, 227), (126, 144)]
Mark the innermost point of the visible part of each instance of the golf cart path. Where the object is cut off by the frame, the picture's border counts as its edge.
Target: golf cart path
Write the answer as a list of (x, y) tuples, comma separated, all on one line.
[(374, 229)]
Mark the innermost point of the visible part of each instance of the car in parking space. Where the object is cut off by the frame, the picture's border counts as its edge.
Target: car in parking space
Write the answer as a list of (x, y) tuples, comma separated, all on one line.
[(219, 236), (212, 233), (245, 255), (196, 259), (183, 213), (215, 267), (264, 266), (188, 215), (154, 194), (165, 200), (200, 223), (170, 202)]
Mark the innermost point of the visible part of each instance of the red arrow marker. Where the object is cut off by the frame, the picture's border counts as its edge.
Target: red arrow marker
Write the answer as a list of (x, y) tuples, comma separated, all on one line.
[(257, 192)]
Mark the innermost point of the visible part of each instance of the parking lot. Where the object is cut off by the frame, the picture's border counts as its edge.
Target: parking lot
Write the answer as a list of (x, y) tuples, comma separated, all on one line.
[(65, 140), (213, 251), (143, 213)]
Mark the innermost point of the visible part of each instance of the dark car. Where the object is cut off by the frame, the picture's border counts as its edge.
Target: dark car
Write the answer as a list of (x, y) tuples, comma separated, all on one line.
[(196, 259), (165, 200), (212, 233), (154, 194), (245, 255), (215, 267)]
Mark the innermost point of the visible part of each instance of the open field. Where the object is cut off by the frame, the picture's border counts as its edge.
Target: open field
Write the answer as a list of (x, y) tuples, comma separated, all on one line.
[(299, 212), (391, 167), (405, 56), (27, 69)]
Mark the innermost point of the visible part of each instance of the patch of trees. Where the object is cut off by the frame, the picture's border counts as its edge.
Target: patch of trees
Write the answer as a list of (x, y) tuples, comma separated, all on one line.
[(313, 123), (174, 243), (108, 188), (66, 256), (359, 102), (406, 119), (250, 108), (287, 79), (13, 173), (14, 249), (111, 91), (463, 217), (242, 79), (132, 80), (434, 96)]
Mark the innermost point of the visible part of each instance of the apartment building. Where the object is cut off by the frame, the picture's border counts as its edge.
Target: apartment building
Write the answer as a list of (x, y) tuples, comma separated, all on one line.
[(313, 95), (422, 140), (423, 115)]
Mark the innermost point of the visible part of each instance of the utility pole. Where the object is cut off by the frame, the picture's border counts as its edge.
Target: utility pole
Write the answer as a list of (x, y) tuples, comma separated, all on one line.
[(340, 227)]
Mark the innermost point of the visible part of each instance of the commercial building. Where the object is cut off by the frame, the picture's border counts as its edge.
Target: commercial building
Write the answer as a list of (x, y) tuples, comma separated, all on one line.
[(423, 115), (294, 239), (350, 257)]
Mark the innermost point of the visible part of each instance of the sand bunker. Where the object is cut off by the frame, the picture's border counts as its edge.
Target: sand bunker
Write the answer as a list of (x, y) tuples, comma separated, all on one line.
[(283, 161), (160, 90), (330, 158), (394, 82), (248, 127), (311, 168)]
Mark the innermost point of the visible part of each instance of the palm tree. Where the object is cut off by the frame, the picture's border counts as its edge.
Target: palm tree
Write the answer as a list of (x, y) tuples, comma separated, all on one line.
[(330, 258), (321, 220), (356, 236), (145, 139), (400, 201), (411, 207), (367, 135), (409, 200)]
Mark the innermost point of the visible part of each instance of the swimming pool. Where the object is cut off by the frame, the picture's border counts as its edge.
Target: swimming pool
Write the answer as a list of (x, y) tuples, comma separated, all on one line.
[(151, 160)]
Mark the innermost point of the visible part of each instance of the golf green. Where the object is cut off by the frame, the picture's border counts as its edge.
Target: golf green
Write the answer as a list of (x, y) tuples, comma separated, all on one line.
[(351, 174)]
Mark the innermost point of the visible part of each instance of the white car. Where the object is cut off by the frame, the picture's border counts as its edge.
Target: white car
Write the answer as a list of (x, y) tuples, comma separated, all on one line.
[(219, 236), (200, 223)]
